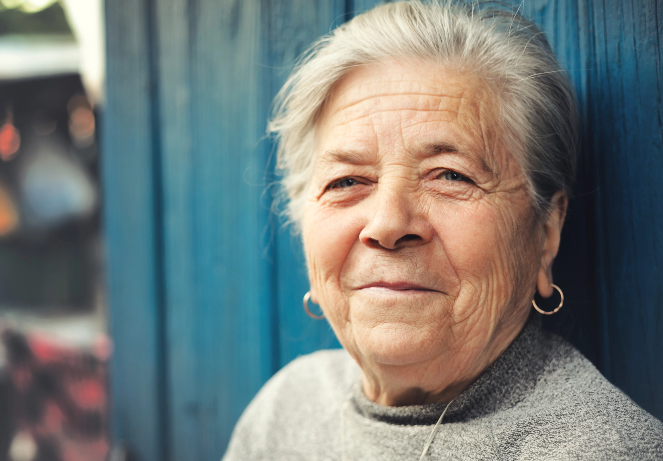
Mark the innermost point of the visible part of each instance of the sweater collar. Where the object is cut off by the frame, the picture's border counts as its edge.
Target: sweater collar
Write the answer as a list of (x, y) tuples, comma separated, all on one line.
[(503, 384)]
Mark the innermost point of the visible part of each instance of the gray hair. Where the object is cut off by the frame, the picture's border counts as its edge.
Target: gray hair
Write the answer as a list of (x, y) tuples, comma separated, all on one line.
[(537, 104)]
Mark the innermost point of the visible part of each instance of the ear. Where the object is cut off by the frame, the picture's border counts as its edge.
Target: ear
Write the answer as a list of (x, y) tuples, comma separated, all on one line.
[(552, 232), (314, 298)]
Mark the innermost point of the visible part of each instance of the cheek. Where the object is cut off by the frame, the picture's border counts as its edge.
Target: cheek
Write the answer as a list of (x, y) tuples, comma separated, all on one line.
[(487, 248), (470, 235), (328, 236)]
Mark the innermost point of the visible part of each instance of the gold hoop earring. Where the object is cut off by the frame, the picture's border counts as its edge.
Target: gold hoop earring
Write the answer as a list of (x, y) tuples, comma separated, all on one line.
[(561, 302), (307, 296)]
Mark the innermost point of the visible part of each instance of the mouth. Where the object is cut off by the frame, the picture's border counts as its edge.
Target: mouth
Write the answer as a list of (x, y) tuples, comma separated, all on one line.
[(396, 286)]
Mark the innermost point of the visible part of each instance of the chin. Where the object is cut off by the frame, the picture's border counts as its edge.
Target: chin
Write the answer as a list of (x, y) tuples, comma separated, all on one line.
[(398, 345)]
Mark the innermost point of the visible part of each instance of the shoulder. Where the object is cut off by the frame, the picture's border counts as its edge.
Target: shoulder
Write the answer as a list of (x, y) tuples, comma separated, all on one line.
[(321, 376), (574, 412), (310, 388), (333, 366)]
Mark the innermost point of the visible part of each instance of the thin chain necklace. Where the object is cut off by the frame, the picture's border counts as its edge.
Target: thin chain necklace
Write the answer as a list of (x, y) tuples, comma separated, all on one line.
[(432, 434), (431, 437)]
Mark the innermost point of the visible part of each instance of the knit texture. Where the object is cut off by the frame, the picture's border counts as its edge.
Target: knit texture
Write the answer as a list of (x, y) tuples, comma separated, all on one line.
[(540, 400)]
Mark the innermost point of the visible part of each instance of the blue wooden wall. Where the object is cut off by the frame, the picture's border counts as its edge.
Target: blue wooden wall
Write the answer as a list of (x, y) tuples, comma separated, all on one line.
[(205, 285)]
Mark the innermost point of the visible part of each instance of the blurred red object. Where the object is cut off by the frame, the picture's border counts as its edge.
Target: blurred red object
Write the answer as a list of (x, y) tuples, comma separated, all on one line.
[(10, 138), (10, 141), (60, 395)]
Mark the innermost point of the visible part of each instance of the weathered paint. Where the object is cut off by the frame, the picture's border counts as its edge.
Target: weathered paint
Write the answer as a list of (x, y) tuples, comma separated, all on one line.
[(205, 285)]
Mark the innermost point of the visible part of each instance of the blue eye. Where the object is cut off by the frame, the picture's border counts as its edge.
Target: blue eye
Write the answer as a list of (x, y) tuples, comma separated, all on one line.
[(343, 183), (453, 176)]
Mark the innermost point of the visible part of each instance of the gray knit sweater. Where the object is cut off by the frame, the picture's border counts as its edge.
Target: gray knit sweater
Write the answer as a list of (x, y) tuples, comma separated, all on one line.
[(541, 400)]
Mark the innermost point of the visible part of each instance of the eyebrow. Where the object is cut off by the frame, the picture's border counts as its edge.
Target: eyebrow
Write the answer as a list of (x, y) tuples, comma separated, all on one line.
[(431, 150), (354, 157)]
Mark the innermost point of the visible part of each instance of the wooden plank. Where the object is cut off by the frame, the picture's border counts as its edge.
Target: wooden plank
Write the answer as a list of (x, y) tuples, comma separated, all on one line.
[(219, 324), (131, 208), (175, 117)]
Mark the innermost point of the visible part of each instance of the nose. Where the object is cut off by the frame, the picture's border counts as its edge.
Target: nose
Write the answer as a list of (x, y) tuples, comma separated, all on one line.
[(396, 220)]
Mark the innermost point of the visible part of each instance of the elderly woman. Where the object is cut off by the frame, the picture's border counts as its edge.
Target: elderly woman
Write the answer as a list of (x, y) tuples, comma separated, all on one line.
[(427, 152)]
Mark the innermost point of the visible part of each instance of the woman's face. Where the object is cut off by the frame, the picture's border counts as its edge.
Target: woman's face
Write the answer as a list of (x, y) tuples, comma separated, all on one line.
[(421, 243)]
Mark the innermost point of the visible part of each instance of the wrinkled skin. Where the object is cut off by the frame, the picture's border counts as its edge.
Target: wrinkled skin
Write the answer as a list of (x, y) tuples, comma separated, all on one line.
[(422, 245)]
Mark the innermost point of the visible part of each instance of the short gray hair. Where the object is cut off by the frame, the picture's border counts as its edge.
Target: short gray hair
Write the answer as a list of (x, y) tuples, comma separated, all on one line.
[(537, 103)]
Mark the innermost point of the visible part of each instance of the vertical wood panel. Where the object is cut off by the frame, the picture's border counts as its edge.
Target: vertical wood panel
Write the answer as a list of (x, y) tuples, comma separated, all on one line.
[(217, 277), (174, 46), (131, 222), (627, 153)]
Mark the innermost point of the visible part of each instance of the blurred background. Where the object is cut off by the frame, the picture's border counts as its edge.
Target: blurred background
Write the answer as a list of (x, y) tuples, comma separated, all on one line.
[(147, 290), (53, 384)]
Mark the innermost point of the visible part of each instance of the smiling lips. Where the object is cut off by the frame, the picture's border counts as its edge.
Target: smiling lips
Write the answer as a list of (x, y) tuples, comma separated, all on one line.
[(397, 286)]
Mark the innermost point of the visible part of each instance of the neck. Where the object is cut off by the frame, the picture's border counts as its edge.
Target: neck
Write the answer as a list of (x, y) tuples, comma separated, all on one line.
[(393, 386)]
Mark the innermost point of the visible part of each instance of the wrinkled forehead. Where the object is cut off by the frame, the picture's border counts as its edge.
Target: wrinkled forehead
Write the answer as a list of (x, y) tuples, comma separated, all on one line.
[(422, 99), (385, 85)]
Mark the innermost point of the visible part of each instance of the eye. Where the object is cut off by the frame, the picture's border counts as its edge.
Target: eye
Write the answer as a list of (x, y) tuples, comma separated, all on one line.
[(343, 183), (450, 175)]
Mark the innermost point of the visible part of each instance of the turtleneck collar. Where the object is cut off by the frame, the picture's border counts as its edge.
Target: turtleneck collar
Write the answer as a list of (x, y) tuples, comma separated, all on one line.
[(503, 384)]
